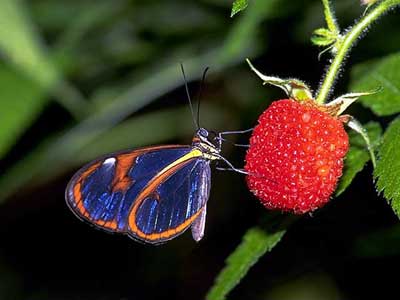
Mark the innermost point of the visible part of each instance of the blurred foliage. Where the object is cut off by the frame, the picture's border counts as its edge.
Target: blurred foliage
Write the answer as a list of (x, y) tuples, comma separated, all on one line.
[(79, 79), (19, 47), (381, 73), (379, 243), (315, 286), (18, 114)]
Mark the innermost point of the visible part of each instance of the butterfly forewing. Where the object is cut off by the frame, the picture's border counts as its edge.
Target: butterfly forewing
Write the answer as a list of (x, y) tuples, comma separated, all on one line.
[(152, 194)]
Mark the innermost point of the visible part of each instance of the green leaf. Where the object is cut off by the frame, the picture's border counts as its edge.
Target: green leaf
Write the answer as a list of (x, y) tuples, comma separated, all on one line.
[(27, 75), (238, 6), (21, 44), (22, 100), (358, 154), (22, 79), (387, 172), (380, 73), (323, 37), (256, 242)]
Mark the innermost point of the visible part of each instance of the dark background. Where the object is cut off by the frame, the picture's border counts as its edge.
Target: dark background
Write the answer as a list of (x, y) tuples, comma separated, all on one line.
[(347, 250)]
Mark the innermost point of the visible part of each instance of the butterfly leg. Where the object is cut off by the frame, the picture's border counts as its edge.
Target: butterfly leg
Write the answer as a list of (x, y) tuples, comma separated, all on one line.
[(231, 167), (220, 137), (236, 131)]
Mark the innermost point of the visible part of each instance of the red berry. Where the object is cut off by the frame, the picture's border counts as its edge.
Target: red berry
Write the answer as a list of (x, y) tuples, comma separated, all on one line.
[(295, 156)]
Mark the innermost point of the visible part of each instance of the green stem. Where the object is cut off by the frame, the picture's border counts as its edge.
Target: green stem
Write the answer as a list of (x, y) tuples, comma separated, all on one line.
[(330, 17), (347, 42)]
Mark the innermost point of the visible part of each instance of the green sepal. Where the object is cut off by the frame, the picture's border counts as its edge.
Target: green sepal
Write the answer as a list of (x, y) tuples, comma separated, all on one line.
[(294, 88), (323, 37), (344, 101)]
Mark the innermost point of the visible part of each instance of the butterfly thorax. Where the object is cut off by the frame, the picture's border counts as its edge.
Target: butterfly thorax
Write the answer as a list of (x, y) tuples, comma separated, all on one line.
[(201, 141)]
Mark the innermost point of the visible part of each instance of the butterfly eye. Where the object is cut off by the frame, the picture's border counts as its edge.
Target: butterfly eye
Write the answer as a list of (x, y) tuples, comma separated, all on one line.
[(203, 132)]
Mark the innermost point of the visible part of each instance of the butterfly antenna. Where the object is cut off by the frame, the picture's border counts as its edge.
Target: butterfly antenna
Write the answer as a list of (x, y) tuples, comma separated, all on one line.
[(196, 124), (203, 79)]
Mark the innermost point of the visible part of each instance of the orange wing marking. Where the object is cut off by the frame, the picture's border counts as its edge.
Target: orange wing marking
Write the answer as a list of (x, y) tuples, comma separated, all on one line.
[(125, 162), (77, 189), (122, 181), (79, 203)]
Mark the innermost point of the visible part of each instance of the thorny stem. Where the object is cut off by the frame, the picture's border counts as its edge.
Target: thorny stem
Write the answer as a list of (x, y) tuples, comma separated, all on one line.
[(347, 41)]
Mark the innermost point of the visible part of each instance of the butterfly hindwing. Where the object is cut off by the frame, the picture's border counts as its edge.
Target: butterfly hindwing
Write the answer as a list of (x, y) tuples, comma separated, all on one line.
[(175, 202)]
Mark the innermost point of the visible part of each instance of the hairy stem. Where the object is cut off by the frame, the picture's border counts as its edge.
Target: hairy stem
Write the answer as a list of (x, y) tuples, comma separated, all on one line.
[(330, 17), (345, 45)]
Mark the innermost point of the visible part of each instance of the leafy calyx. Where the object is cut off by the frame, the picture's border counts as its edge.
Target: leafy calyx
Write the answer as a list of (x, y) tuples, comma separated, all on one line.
[(294, 88)]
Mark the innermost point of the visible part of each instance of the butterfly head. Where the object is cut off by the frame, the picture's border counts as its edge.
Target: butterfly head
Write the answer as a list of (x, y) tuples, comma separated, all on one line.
[(203, 141)]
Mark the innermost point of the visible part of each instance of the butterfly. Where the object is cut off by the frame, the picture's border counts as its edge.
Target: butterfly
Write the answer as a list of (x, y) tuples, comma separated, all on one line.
[(151, 194)]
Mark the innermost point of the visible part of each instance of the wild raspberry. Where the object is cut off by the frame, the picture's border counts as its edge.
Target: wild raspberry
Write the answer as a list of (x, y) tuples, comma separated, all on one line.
[(295, 156)]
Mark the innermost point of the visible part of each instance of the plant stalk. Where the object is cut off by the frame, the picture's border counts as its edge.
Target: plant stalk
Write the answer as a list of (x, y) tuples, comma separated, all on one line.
[(330, 17), (347, 42)]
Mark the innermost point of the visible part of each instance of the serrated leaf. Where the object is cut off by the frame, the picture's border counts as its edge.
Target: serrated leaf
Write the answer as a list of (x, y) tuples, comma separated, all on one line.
[(387, 172), (379, 73), (238, 6), (256, 242), (358, 154)]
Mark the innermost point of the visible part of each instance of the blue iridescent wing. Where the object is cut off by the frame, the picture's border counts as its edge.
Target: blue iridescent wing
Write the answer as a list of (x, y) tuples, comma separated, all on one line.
[(152, 194), (173, 201), (104, 191)]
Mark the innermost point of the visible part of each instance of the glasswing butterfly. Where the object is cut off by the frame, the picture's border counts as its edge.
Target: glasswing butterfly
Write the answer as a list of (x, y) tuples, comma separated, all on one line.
[(151, 194)]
